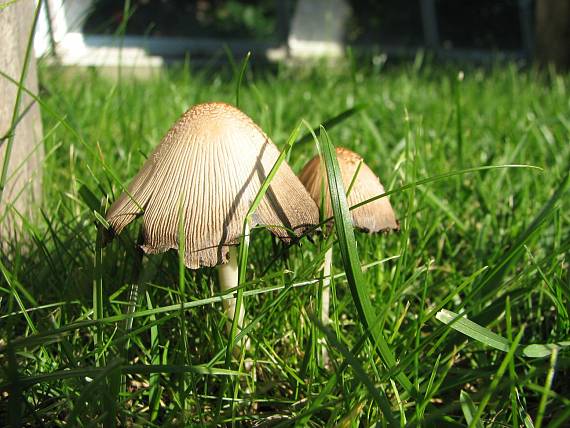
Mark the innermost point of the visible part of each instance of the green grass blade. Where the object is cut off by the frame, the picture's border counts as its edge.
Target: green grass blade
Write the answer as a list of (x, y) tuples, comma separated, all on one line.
[(492, 279), (469, 408), (331, 123), (496, 380), (138, 369), (439, 177), (459, 118), (8, 278), (378, 394), (243, 251), (474, 331), (512, 371), (547, 387), (98, 311), (154, 379), (241, 75), (351, 261), (487, 337), (244, 240)]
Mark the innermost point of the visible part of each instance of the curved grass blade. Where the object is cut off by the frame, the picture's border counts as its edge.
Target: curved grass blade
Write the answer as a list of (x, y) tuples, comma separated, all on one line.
[(244, 240), (11, 283), (439, 177), (243, 251), (241, 74), (140, 369), (351, 261), (487, 337), (331, 122)]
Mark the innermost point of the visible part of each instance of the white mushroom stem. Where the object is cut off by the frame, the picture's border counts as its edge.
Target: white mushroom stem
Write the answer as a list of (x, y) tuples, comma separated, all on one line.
[(325, 300), (326, 294), (361, 184), (228, 274)]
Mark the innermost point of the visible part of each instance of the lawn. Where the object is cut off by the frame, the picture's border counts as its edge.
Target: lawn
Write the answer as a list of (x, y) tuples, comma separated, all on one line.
[(477, 161)]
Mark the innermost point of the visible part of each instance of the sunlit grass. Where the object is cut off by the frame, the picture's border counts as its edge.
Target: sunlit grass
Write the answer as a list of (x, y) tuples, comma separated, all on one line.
[(490, 243)]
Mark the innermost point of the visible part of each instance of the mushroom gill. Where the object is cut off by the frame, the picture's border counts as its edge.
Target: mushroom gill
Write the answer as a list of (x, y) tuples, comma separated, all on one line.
[(209, 167)]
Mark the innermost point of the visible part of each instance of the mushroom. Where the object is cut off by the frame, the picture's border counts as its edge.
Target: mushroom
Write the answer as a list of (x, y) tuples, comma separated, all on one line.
[(209, 167), (361, 184)]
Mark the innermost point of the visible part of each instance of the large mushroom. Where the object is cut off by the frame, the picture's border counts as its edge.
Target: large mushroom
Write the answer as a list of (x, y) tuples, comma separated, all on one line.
[(209, 168), (361, 184)]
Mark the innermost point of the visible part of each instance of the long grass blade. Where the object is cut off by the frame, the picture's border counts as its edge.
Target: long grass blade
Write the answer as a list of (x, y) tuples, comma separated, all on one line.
[(244, 240), (547, 387), (496, 380), (331, 123), (469, 408), (378, 394), (241, 75), (487, 337), (138, 369), (244, 246), (351, 261)]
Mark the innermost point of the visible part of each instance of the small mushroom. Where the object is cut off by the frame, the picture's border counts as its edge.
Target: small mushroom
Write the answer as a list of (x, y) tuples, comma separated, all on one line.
[(361, 184), (373, 217), (209, 168)]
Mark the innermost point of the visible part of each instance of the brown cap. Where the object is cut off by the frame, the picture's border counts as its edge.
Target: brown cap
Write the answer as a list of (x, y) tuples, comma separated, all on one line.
[(372, 217), (212, 163)]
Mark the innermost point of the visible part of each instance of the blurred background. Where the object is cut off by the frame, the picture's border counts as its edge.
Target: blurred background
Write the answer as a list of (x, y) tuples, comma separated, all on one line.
[(85, 31)]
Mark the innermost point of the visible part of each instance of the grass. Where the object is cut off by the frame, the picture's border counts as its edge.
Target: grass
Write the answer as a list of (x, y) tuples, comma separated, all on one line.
[(489, 243)]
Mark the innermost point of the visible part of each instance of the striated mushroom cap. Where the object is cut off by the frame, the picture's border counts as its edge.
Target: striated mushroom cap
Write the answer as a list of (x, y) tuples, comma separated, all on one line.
[(372, 217), (210, 166)]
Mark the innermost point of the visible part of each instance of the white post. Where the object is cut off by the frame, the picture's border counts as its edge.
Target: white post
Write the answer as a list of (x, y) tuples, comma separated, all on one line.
[(318, 28), (552, 32), (22, 190)]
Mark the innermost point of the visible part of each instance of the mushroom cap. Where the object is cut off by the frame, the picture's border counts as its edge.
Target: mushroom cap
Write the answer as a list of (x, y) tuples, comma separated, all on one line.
[(372, 217), (209, 167)]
